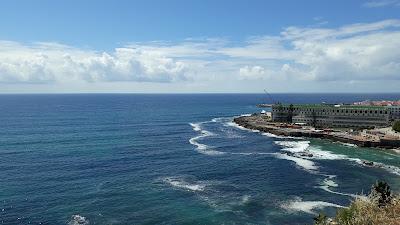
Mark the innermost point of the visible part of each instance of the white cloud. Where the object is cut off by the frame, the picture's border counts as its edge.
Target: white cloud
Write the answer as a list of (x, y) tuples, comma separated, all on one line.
[(381, 3), (300, 33), (260, 48), (350, 53), (254, 72), (47, 62)]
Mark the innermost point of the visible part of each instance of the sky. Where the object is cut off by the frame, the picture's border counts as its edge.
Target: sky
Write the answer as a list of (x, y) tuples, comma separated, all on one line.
[(202, 46)]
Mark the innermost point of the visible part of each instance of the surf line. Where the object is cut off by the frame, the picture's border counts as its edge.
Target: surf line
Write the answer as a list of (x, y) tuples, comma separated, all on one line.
[(304, 163), (202, 148)]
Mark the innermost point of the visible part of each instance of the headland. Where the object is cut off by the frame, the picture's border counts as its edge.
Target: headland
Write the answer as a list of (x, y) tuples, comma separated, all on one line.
[(361, 125)]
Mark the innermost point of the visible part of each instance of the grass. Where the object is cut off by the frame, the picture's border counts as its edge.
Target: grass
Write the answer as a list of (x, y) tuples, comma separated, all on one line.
[(378, 208)]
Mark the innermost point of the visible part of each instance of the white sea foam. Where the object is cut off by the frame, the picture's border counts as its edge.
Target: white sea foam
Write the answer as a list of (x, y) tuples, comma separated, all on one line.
[(396, 150), (272, 135), (298, 205), (230, 133), (253, 153), (331, 156), (389, 168), (298, 147), (279, 137), (233, 124), (301, 162), (326, 188), (349, 144), (195, 126), (318, 153), (245, 199), (202, 148), (293, 146), (185, 185), (329, 183), (78, 220), (218, 119), (245, 115)]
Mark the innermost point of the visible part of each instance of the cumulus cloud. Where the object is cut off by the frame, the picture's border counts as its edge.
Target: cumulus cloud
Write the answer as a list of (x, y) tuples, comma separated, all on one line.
[(354, 52), (254, 72), (48, 62)]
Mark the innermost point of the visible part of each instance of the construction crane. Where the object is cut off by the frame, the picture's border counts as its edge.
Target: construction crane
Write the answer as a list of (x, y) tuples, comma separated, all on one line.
[(267, 105), (269, 96)]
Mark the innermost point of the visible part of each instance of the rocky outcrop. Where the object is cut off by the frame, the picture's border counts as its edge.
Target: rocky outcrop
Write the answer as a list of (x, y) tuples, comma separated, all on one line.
[(258, 122)]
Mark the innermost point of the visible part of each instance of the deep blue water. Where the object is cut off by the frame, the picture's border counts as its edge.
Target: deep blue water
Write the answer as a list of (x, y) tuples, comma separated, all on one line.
[(170, 159)]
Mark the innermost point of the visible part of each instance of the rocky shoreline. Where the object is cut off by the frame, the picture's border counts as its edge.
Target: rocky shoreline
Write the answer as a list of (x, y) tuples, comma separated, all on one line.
[(260, 123)]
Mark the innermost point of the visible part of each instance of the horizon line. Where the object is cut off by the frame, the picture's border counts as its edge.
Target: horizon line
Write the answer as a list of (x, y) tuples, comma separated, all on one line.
[(182, 93)]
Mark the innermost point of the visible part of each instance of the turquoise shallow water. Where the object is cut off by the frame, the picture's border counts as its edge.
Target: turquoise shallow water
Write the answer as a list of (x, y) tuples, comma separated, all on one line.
[(170, 159)]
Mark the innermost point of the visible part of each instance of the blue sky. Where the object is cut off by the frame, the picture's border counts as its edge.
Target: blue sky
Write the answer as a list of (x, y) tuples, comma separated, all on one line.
[(199, 46)]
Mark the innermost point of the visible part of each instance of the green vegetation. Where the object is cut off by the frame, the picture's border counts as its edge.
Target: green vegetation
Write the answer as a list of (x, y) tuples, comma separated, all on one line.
[(396, 126), (379, 207)]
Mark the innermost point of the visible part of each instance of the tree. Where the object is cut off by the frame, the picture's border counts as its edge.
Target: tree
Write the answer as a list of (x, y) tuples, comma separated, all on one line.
[(314, 118), (396, 126), (290, 113)]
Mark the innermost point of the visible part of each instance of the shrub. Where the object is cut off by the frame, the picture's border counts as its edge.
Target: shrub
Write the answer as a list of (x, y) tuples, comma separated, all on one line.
[(396, 126), (380, 207), (321, 219), (346, 215), (380, 193)]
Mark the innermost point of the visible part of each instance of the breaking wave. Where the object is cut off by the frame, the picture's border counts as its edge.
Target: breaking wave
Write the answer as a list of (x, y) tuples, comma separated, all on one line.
[(328, 183), (280, 137), (348, 144), (272, 135), (298, 151), (300, 162), (318, 153), (78, 220), (233, 124), (389, 168), (321, 154), (301, 151), (217, 120), (293, 146), (202, 148), (180, 183), (298, 205)]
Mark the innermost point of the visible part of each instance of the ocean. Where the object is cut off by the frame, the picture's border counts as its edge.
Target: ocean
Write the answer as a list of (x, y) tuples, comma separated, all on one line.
[(171, 159)]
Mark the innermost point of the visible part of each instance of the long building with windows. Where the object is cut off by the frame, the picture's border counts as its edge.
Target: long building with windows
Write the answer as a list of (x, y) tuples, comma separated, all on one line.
[(329, 115)]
